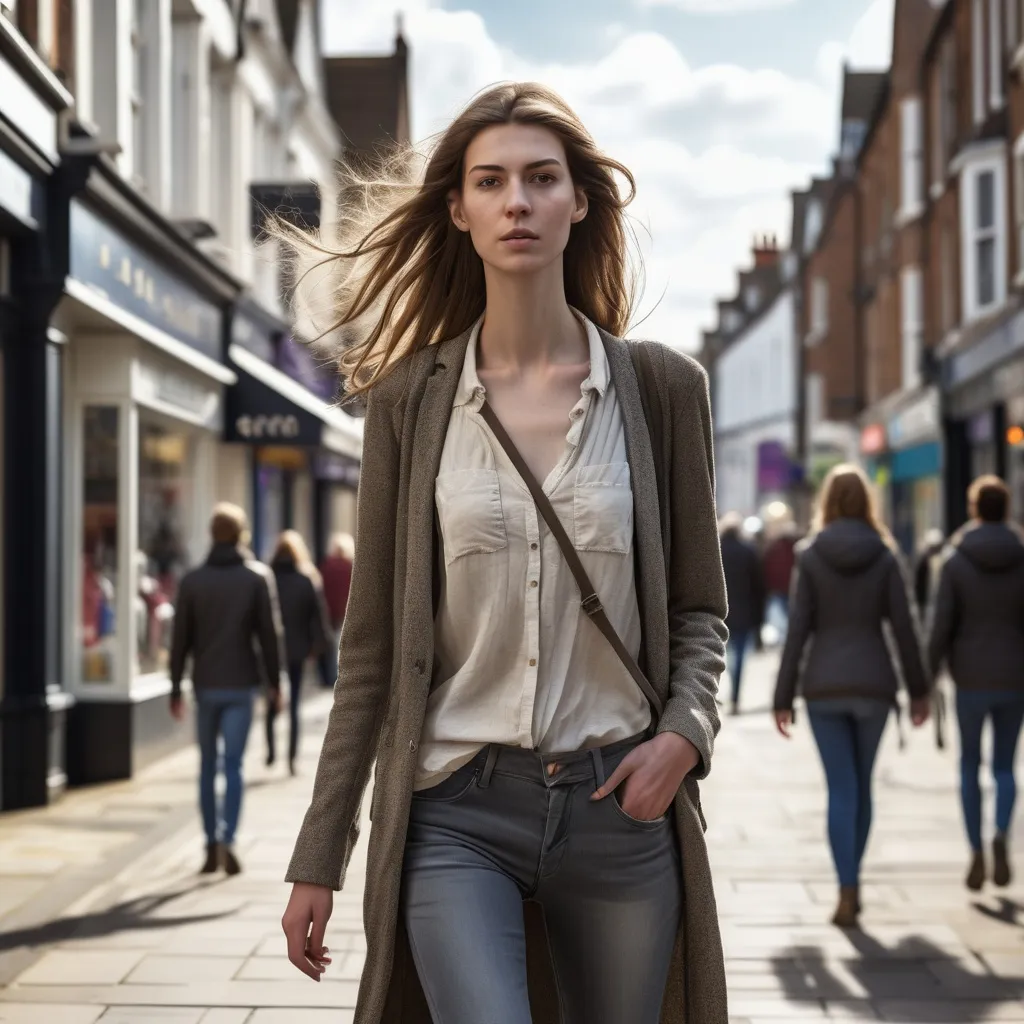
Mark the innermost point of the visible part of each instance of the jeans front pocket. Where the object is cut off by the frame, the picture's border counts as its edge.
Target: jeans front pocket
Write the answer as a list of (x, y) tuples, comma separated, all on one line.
[(453, 788), (637, 823)]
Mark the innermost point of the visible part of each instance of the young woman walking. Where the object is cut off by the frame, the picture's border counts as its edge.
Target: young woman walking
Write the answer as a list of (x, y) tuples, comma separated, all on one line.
[(978, 629), (848, 583), (536, 821), (304, 616)]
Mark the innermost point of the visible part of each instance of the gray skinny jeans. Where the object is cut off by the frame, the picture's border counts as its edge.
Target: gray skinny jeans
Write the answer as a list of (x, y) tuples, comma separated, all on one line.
[(502, 830)]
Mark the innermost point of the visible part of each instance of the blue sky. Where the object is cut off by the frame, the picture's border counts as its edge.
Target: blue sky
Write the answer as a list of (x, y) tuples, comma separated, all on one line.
[(719, 107)]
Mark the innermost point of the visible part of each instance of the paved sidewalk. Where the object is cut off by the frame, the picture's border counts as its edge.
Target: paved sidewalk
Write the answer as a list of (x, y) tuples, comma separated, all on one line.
[(135, 936)]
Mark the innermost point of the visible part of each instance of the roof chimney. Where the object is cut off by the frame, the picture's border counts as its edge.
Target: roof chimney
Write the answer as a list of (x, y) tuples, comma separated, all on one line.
[(766, 251)]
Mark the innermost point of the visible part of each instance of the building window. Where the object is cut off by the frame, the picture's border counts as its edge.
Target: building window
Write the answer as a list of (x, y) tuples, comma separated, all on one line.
[(812, 225), (100, 571), (1013, 26), (978, 60), (814, 396), (983, 217), (944, 112), (912, 303), (819, 310), (1018, 189), (910, 157), (166, 501), (139, 56), (995, 53)]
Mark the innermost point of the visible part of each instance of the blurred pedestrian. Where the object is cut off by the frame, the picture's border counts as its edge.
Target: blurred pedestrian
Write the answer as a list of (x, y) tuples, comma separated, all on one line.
[(978, 629), (304, 615), (777, 564), (924, 571), (535, 797), (848, 583), (744, 587), (336, 572), (223, 606)]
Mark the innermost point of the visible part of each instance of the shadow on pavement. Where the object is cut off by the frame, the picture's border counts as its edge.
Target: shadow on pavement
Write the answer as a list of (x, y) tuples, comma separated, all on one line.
[(131, 915), (914, 970), (1010, 912)]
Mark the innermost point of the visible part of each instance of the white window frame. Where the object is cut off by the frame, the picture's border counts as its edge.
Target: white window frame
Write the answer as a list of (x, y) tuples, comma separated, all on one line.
[(1018, 206), (947, 278), (911, 160), (997, 96), (912, 325), (819, 310), (814, 399), (978, 104), (994, 162)]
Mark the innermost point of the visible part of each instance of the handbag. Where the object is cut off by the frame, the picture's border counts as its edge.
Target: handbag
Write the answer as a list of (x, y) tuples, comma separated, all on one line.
[(591, 602)]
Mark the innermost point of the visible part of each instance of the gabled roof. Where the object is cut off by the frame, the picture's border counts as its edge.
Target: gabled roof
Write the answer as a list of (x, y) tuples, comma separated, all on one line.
[(368, 98), (861, 90)]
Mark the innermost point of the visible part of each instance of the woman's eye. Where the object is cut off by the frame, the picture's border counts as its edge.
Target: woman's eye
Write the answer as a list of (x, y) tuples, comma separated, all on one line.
[(486, 182), (544, 179)]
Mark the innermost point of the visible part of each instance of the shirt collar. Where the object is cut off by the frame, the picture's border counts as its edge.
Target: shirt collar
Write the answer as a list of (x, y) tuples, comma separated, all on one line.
[(471, 391)]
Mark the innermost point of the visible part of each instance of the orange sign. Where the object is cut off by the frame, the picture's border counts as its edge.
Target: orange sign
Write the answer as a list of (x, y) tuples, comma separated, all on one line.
[(1015, 435)]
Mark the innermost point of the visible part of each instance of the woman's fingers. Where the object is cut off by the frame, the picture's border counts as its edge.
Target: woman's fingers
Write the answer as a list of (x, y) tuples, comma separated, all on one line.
[(624, 769), (295, 930), (783, 720)]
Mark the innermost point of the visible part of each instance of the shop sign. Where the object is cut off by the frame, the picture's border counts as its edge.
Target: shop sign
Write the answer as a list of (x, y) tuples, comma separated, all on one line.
[(1006, 339), (918, 421), (263, 427), (107, 261), (20, 195), (169, 389), (873, 439), (775, 470), (336, 469)]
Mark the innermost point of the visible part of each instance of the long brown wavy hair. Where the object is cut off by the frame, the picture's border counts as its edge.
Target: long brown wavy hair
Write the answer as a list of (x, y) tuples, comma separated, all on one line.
[(847, 493), (401, 275)]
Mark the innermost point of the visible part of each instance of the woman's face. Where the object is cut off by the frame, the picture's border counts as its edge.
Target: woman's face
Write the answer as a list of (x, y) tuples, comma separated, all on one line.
[(517, 199)]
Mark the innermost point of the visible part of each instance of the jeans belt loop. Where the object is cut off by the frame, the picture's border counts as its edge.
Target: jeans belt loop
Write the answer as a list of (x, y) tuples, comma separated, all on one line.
[(492, 757)]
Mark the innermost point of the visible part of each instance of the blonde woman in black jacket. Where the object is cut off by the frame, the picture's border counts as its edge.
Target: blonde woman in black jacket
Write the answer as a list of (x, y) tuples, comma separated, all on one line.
[(848, 583)]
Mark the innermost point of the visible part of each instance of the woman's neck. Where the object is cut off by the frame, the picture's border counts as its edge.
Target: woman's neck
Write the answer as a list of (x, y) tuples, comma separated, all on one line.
[(527, 322)]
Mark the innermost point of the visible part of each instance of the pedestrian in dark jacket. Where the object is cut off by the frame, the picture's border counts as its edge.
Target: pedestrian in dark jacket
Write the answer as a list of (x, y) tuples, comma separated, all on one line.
[(978, 630), (304, 614), (222, 607), (745, 592), (336, 572), (924, 571), (777, 564), (849, 582)]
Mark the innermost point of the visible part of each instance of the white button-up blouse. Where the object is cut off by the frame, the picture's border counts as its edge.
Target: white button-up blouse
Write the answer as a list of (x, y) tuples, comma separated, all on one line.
[(517, 661)]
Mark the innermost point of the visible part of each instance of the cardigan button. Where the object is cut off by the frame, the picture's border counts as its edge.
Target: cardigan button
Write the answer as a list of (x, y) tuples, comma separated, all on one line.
[(412, 746), (421, 666)]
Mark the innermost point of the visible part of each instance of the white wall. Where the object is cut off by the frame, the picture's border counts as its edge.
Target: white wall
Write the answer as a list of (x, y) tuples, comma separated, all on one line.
[(736, 465), (755, 379)]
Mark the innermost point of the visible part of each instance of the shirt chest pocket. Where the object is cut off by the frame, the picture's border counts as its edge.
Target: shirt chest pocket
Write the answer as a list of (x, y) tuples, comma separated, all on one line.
[(603, 509), (469, 507)]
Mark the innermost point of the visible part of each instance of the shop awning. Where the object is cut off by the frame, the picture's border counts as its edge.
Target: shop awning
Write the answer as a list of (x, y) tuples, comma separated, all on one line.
[(267, 407)]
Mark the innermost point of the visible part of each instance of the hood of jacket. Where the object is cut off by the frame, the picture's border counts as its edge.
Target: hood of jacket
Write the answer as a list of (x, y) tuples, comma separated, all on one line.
[(992, 547), (849, 545), (226, 555)]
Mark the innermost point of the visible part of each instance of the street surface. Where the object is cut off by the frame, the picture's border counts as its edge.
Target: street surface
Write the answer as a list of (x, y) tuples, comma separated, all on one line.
[(104, 919)]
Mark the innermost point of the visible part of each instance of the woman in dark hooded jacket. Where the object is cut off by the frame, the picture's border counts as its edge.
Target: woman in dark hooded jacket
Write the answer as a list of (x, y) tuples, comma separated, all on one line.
[(848, 583), (978, 630), (304, 615)]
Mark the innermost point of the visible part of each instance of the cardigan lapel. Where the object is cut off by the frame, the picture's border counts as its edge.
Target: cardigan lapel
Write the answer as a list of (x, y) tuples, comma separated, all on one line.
[(652, 586)]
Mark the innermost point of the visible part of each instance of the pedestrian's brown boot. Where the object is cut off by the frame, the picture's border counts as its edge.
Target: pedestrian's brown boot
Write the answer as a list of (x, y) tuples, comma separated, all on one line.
[(230, 861), (1001, 873), (848, 908), (976, 875), (211, 864)]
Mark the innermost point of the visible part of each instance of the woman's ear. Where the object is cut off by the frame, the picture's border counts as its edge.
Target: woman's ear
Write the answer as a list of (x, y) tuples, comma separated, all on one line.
[(582, 205), (455, 210)]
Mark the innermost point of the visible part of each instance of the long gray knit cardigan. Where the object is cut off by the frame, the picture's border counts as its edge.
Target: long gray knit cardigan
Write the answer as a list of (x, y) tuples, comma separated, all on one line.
[(387, 653)]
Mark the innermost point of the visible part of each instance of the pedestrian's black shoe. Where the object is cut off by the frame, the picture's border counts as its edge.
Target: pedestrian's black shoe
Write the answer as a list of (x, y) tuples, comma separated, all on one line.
[(212, 863), (292, 770), (230, 861), (976, 875), (270, 760), (848, 908), (1001, 873)]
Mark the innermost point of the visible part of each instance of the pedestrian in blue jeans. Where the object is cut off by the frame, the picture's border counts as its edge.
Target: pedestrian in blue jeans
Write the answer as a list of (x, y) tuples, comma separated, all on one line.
[(978, 631), (849, 582), (744, 586), (222, 608)]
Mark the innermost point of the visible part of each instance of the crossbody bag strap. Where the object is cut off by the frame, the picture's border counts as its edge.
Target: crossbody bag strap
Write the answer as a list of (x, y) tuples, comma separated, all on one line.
[(591, 602)]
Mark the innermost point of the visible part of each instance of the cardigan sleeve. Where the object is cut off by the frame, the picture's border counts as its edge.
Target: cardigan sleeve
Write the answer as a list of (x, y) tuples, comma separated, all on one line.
[(696, 584), (330, 828)]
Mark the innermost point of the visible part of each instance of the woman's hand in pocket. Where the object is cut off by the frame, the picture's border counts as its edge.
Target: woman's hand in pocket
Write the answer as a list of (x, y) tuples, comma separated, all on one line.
[(305, 923), (652, 773)]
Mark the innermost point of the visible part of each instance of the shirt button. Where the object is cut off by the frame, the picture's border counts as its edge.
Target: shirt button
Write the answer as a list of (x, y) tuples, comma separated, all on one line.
[(533, 662), (533, 583), (533, 546)]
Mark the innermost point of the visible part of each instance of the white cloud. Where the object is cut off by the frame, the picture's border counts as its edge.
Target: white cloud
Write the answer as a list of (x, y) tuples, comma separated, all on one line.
[(868, 48), (714, 149), (717, 6)]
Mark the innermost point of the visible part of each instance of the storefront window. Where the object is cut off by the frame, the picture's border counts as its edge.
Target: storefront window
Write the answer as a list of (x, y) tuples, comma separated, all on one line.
[(166, 481), (99, 544)]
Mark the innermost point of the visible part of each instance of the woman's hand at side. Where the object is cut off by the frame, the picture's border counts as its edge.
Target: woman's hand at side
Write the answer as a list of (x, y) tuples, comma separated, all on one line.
[(653, 773), (304, 923), (783, 722), (920, 710)]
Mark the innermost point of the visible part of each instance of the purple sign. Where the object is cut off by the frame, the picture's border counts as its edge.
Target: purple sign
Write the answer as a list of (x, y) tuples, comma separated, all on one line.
[(774, 468), (298, 362)]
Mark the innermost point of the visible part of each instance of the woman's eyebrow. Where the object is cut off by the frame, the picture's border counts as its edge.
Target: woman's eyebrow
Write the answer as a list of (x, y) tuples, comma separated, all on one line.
[(547, 161)]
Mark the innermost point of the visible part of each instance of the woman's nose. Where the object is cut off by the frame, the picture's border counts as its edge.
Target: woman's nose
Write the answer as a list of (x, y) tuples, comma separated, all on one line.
[(517, 202)]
